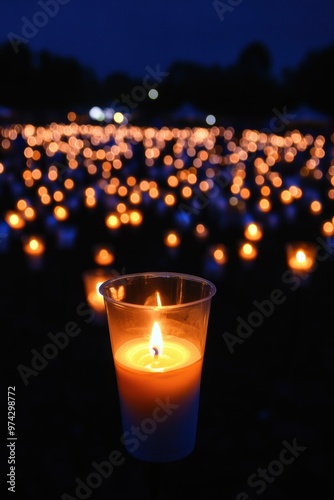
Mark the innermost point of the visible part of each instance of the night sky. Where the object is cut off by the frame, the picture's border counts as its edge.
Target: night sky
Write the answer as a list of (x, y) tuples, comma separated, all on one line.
[(110, 36)]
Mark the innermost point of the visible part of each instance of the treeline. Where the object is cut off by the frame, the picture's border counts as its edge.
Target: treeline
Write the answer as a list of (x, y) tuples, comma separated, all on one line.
[(36, 82)]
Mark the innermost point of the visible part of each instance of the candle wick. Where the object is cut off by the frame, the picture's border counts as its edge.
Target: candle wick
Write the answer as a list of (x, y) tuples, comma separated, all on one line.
[(156, 351)]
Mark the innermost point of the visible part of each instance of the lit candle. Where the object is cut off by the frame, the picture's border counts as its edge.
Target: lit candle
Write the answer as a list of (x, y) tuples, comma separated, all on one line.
[(103, 256), (34, 249), (95, 299), (158, 354), (253, 232), (93, 279), (14, 220), (215, 260), (300, 257), (247, 251), (172, 239), (172, 243), (327, 228), (61, 213), (151, 375)]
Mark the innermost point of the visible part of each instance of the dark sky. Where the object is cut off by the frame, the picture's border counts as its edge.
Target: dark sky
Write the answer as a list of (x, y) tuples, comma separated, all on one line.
[(128, 35)]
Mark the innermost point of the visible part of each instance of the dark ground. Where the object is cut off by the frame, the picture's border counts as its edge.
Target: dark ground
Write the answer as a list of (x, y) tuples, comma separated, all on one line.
[(275, 388)]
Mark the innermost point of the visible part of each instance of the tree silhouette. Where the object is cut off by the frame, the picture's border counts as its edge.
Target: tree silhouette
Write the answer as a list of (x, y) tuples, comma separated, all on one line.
[(312, 82), (255, 59), (18, 77), (44, 82)]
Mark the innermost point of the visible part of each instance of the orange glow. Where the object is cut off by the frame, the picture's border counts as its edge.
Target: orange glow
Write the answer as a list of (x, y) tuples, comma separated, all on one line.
[(124, 218), (247, 251), (103, 256), (136, 218), (61, 213), (316, 207), (14, 220), (201, 231), (286, 196), (245, 193), (328, 228), (29, 213), (264, 205), (21, 205), (186, 192), (300, 256), (135, 198), (34, 246), (170, 200), (219, 254), (112, 221), (46, 199), (172, 240), (253, 232), (58, 196)]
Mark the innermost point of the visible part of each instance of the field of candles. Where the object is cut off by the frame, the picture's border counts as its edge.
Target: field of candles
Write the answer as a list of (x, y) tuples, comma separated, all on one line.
[(206, 195), (251, 211)]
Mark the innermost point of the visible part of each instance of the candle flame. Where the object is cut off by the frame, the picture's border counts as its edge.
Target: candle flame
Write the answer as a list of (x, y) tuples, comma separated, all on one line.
[(155, 346), (154, 300), (300, 256)]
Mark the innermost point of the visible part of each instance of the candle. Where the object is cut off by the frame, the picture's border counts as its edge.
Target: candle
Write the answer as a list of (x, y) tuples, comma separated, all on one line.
[(14, 220), (93, 279), (103, 255), (300, 257), (215, 261), (94, 299), (61, 213), (172, 239), (247, 251), (157, 325), (253, 232), (148, 379), (34, 249)]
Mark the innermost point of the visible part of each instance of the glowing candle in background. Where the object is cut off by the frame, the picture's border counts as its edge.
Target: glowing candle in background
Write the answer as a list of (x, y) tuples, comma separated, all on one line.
[(14, 220), (34, 248), (201, 231), (253, 232), (172, 239), (172, 243), (158, 325), (215, 261), (300, 257), (103, 255), (61, 213), (247, 251), (92, 279), (327, 228)]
